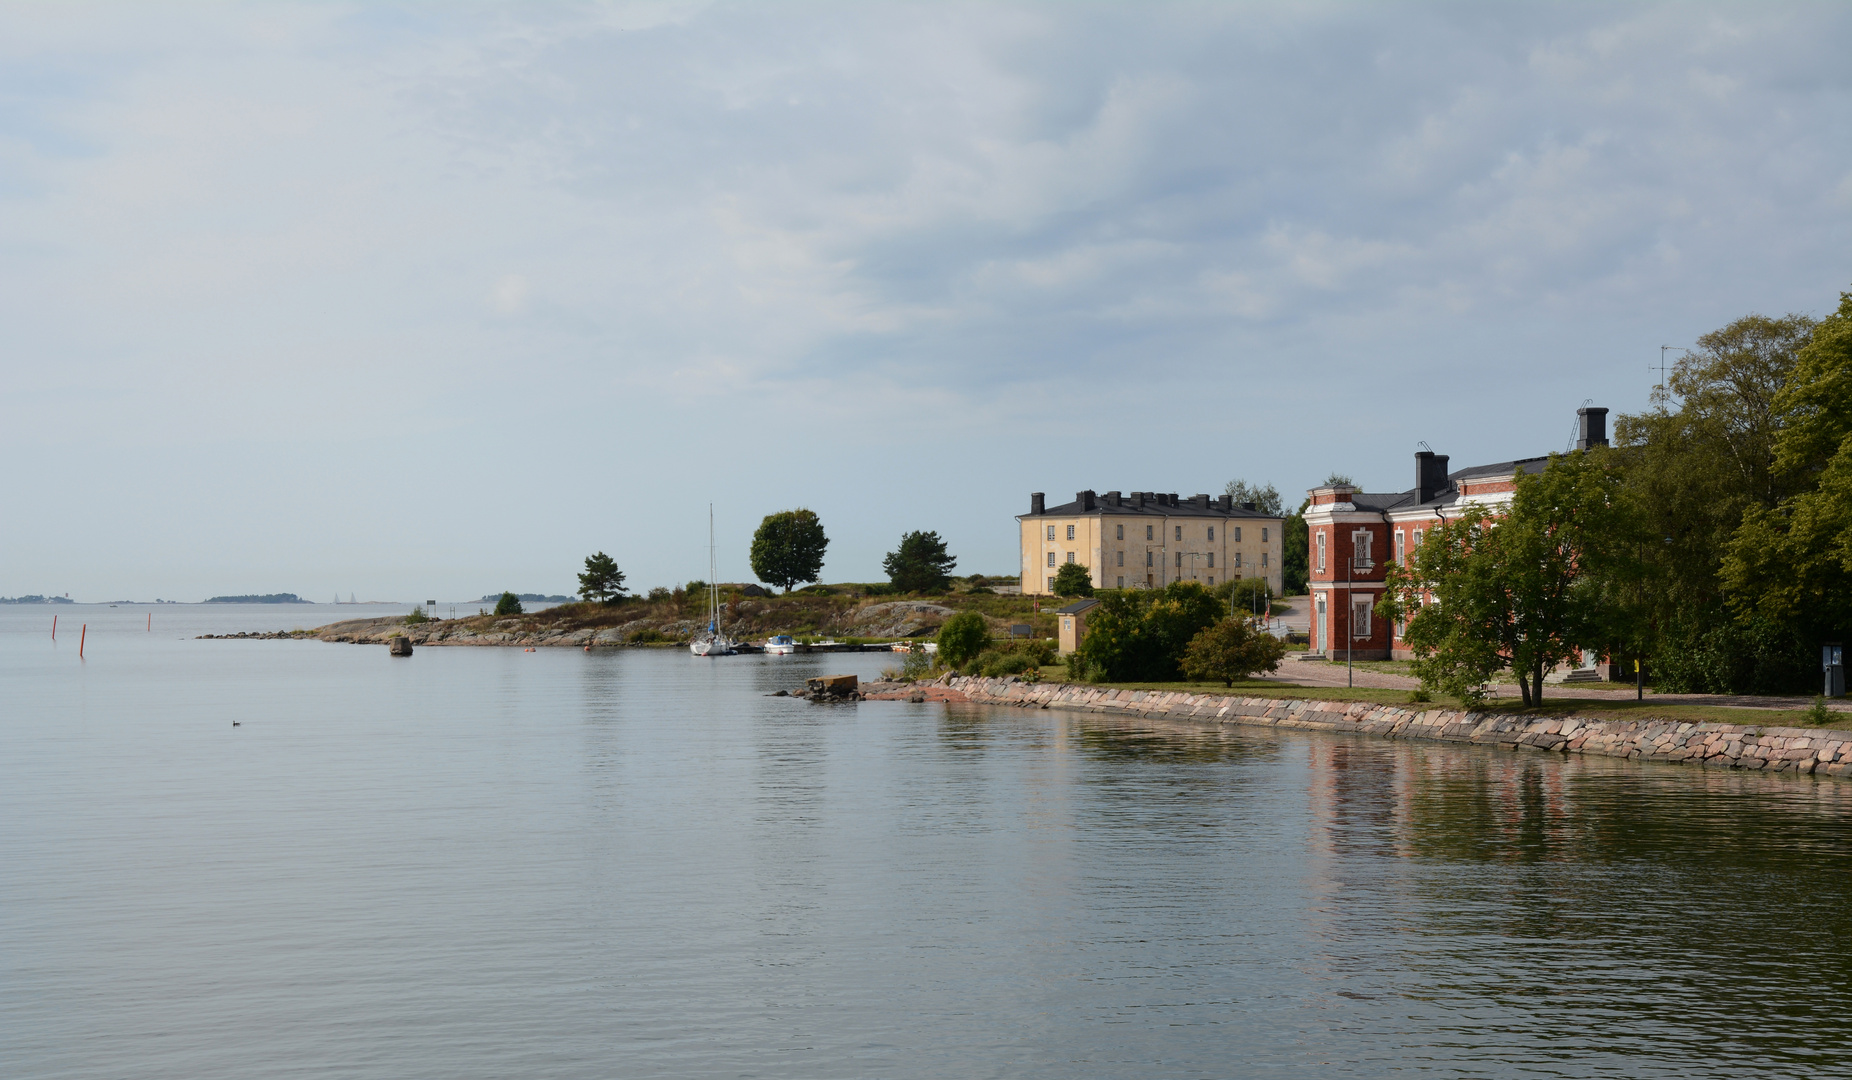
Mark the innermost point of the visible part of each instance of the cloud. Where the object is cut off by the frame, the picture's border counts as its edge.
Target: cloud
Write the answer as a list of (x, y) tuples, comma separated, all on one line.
[(836, 233)]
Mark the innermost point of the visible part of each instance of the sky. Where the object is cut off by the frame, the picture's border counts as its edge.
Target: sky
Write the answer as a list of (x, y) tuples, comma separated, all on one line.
[(420, 300)]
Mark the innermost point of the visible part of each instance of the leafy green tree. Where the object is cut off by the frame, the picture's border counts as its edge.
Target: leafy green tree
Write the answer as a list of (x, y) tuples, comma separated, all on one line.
[(1698, 466), (1246, 596), (1524, 592), (1295, 553), (602, 580), (1791, 565), (788, 548), (509, 604), (962, 638), (920, 565), (1232, 649), (1335, 478), (1140, 635), (1265, 499), (1073, 579)]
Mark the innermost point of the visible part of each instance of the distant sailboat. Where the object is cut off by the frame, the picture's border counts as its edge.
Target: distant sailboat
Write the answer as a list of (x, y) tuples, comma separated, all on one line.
[(713, 643)]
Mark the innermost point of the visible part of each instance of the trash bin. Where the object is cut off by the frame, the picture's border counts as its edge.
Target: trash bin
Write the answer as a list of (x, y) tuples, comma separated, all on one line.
[(1832, 659)]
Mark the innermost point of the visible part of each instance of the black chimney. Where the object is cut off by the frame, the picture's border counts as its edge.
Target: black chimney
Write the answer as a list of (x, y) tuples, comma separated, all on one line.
[(1201, 501), (1036, 502), (1224, 502), (1430, 475), (1593, 425), (1085, 499), (1247, 506)]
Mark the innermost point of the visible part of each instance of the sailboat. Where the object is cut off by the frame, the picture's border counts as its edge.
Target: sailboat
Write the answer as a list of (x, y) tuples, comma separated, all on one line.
[(712, 643)]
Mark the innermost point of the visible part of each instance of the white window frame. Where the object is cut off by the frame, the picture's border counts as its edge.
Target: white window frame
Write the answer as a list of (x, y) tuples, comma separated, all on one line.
[(1212, 534), (1360, 545), (1363, 604), (1051, 532), (1070, 532), (1051, 558), (1179, 532), (1070, 558), (1401, 548), (1320, 545), (1237, 534)]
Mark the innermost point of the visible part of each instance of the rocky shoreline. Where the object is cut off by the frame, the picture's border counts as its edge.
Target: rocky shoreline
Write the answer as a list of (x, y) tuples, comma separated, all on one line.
[(1820, 751)]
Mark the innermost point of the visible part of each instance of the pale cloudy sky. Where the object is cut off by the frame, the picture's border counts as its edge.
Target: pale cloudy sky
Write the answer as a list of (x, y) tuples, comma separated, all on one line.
[(428, 300)]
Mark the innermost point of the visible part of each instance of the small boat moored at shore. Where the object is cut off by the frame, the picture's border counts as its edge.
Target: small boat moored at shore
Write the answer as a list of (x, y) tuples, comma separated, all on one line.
[(781, 645)]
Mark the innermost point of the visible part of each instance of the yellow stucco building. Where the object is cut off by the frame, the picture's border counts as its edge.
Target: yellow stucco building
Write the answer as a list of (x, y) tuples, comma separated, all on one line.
[(1146, 540)]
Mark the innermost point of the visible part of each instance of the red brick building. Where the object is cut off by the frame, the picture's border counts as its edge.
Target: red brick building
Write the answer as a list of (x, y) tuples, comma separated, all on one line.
[(1353, 535)]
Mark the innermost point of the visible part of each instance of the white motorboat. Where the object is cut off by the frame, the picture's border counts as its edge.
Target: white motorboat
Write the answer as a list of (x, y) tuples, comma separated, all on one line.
[(781, 645), (712, 643)]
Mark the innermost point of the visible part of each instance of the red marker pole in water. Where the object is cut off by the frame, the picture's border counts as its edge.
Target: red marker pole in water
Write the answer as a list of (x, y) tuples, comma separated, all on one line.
[(54, 627), (81, 635), (151, 622)]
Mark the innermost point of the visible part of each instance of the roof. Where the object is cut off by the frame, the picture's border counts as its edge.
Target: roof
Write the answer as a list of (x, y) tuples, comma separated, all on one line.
[(1385, 501), (1076, 607), (1152, 504)]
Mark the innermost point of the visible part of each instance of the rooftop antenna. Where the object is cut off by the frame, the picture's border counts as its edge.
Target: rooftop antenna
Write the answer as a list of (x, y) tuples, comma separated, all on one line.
[(1424, 445), (1660, 367)]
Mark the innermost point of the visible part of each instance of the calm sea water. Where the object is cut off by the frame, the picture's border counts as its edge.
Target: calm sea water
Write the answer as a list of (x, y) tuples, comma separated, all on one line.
[(492, 863)]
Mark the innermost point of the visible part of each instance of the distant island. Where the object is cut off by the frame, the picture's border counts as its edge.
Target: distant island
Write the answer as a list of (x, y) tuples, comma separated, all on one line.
[(36, 599), (267, 598), (532, 597)]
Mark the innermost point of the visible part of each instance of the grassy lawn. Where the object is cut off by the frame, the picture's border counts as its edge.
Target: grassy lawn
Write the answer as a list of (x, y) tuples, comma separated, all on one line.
[(1593, 708)]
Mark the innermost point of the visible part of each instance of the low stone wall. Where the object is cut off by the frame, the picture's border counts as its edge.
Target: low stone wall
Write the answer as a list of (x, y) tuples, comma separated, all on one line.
[(1731, 746)]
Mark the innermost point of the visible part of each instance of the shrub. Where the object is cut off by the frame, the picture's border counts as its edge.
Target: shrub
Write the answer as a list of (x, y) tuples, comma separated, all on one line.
[(962, 638), (1230, 650), (1819, 715), (1247, 595), (646, 636), (1073, 579), (509, 604), (1140, 635), (658, 594), (1419, 695), (417, 616), (918, 665)]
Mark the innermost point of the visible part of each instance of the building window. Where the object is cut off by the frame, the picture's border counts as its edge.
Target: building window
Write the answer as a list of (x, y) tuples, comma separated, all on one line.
[(1212, 560), (1263, 534), (1237, 558), (1147, 532), (1212, 534), (1051, 532), (1070, 556), (1051, 558), (1051, 584), (1147, 561), (1360, 617), (1237, 534), (1360, 545), (1263, 560), (1401, 550), (1122, 558), (1070, 532), (1321, 549), (1212, 581), (1179, 560), (1122, 579), (1417, 539), (1179, 532), (1118, 532)]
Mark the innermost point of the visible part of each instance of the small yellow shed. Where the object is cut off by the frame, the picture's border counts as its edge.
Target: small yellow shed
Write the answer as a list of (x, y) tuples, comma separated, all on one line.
[(1073, 624)]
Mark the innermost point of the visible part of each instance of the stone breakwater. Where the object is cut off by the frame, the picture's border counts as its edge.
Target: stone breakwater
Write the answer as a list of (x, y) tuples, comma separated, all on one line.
[(1731, 746)]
